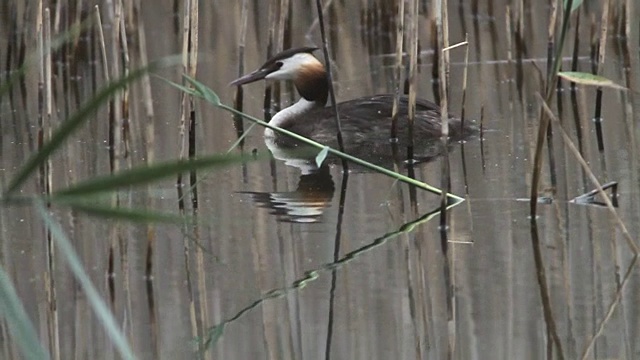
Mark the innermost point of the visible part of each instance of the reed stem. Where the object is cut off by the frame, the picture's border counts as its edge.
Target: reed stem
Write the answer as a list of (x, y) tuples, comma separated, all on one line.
[(332, 93), (398, 71)]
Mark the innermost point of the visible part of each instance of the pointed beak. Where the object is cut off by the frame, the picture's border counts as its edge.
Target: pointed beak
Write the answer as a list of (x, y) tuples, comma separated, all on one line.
[(251, 77)]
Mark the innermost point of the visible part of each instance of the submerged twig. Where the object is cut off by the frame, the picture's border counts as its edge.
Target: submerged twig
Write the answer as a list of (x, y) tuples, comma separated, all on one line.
[(567, 140)]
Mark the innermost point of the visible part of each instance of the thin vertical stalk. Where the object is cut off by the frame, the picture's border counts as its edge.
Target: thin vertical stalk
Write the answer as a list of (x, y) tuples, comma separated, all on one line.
[(337, 247), (604, 25), (413, 73), (282, 22), (149, 139), (544, 120), (182, 133), (551, 54), (41, 94), (464, 108), (124, 104), (628, 10), (103, 46), (332, 93), (442, 29), (193, 176), (115, 123), (271, 50), (551, 33), (148, 144), (237, 102), (43, 24), (397, 71), (465, 73), (125, 130)]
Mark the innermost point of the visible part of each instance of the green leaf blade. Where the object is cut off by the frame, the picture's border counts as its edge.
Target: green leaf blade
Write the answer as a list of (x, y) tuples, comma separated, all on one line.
[(19, 324), (119, 213), (204, 90), (322, 155), (574, 5), (94, 299), (147, 174), (583, 78), (69, 126)]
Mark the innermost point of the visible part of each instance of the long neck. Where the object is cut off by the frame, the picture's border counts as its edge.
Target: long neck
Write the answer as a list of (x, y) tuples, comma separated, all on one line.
[(312, 83), (290, 114)]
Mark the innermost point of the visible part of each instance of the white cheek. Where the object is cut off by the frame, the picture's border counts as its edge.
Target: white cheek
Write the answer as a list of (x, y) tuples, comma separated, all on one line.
[(282, 74)]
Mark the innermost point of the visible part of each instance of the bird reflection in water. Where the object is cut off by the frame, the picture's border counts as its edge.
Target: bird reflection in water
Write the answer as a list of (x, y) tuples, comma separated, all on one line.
[(305, 204)]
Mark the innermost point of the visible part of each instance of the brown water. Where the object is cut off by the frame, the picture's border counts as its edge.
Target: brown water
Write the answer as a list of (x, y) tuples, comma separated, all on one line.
[(492, 287)]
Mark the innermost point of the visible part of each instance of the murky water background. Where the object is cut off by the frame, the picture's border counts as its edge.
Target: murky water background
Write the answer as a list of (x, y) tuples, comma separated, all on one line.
[(480, 292)]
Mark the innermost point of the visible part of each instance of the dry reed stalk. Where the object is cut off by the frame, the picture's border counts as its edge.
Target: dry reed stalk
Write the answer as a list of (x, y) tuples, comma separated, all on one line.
[(126, 66), (585, 166), (397, 71), (627, 23), (611, 310), (41, 95), (543, 129), (465, 73), (193, 66), (576, 48), (114, 12), (124, 101), (48, 95), (604, 26), (48, 283), (238, 98), (413, 73), (332, 93), (271, 91), (462, 120), (282, 21), (442, 30), (551, 34), (184, 102), (149, 138), (280, 15), (545, 296), (509, 28), (125, 130), (149, 141), (103, 46), (115, 117), (314, 24), (193, 178), (182, 133), (43, 24)]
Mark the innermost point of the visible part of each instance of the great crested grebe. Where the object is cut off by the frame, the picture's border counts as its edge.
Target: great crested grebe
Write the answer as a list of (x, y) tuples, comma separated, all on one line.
[(365, 121)]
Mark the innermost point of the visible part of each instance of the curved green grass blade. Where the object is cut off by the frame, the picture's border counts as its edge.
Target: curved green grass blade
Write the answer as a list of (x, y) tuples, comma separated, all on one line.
[(204, 91), (146, 174), (583, 78), (574, 5), (119, 213), (201, 89), (69, 126), (180, 87), (20, 326), (95, 300)]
